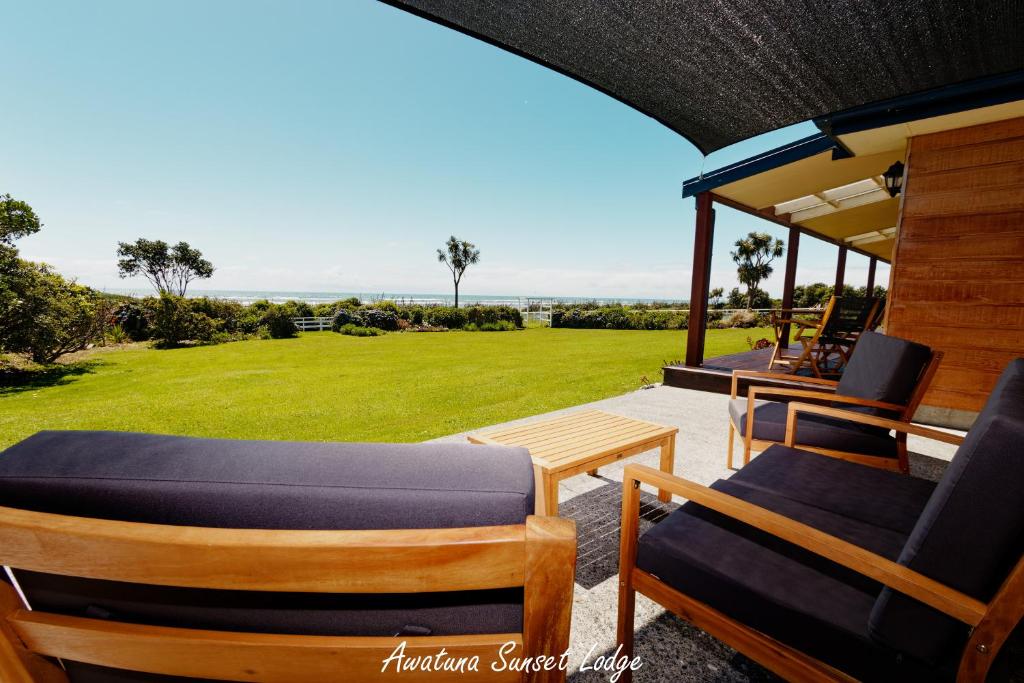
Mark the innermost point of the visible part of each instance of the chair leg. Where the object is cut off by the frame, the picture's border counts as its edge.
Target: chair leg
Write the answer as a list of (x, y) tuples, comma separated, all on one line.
[(746, 447), (901, 453), (732, 436), (630, 523)]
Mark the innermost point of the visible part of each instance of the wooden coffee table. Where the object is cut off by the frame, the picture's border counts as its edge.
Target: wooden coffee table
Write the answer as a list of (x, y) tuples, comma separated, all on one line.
[(582, 442)]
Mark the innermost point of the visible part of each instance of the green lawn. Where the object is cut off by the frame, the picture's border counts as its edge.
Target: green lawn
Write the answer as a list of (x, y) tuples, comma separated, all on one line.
[(324, 386)]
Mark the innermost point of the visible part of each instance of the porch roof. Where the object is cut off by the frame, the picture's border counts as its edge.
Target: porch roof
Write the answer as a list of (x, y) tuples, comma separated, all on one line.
[(831, 185)]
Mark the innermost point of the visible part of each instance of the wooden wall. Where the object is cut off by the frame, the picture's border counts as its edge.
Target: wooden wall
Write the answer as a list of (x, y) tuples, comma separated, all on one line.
[(957, 276)]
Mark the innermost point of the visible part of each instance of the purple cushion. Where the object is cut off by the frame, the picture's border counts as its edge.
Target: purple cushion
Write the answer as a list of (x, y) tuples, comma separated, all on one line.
[(971, 533), (268, 485)]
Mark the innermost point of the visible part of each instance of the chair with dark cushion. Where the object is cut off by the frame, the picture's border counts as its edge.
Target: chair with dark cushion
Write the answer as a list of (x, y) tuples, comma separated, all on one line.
[(428, 543), (886, 376), (824, 569)]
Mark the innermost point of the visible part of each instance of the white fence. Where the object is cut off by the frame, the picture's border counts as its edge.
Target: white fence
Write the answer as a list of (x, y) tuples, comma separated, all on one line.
[(312, 324)]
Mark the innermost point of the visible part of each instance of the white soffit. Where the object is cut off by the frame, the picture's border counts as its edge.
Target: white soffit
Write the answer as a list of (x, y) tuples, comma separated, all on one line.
[(867, 191)]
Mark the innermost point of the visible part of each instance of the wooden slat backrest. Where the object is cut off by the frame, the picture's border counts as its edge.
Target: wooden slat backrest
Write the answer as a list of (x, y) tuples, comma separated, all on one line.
[(539, 555), (389, 561)]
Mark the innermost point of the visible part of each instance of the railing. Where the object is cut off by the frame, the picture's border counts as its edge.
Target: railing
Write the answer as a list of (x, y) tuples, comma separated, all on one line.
[(312, 324)]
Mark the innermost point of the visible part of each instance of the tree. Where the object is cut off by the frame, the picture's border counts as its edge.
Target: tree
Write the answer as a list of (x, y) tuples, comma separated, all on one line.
[(168, 269), (753, 257), (458, 255), (738, 299), (715, 297), (50, 316)]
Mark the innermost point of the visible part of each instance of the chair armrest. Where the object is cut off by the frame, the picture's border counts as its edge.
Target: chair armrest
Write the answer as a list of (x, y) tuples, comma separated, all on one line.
[(825, 384), (837, 398), (862, 418), (961, 607)]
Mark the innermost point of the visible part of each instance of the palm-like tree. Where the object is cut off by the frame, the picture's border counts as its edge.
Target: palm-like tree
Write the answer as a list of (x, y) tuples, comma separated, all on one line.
[(753, 256), (458, 255)]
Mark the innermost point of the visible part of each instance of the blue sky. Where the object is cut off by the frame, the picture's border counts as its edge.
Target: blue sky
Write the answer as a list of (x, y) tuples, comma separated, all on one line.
[(335, 145)]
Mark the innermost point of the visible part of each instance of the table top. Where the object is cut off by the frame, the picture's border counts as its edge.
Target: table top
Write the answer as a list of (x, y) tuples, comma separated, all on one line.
[(577, 437)]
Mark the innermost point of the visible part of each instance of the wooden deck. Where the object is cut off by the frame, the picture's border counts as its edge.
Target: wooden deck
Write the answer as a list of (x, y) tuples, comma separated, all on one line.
[(716, 373)]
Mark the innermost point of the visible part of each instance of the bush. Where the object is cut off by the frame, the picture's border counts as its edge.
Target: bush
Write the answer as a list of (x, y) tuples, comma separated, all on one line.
[(278, 322), (174, 322), (134, 318), (360, 331), (48, 316), (498, 326), (479, 315), (619, 318), (342, 317), (379, 318), (740, 319), (446, 316)]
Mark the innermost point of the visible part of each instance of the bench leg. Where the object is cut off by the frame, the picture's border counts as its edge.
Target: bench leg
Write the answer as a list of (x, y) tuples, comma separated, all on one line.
[(550, 495), (668, 462)]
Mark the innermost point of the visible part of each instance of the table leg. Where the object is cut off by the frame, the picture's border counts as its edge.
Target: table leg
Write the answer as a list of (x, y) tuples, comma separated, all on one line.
[(550, 494), (592, 472), (668, 461)]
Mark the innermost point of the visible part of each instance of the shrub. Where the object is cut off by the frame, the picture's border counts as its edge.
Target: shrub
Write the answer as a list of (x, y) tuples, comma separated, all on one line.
[(175, 322), (297, 309), (386, 305), (497, 326), (360, 331), (342, 317), (740, 319), (480, 315), (278, 322), (446, 316), (230, 316), (134, 318), (325, 310), (49, 316), (376, 317), (117, 335)]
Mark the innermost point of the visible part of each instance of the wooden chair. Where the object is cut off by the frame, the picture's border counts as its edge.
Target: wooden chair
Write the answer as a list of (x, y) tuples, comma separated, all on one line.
[(808, 330), (889, 377), (851, 317), (538, 556), (919, 595)]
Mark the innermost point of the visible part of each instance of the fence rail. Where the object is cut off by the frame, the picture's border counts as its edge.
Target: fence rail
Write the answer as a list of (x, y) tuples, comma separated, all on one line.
[(312, 324)]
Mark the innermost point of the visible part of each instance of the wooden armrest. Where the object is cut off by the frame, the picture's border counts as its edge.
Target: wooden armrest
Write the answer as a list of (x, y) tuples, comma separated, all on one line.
[(837, 398), (826, 384), (961, 607), (862, 418)]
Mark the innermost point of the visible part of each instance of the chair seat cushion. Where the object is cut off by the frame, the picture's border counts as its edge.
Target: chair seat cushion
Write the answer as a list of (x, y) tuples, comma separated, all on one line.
[(812, 430), (798, 598), (268, 485), (884, 499)]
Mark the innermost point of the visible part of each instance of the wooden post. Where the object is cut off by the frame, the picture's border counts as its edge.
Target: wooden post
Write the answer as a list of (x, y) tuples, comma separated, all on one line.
[(840, 272), (789, 284), (872, 262), (701, 282)]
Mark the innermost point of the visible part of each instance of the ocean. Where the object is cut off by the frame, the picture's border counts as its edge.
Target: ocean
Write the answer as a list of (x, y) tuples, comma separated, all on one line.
[(247, 297)]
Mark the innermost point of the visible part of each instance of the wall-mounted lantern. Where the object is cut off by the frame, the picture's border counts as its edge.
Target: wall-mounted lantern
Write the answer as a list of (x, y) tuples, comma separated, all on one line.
[(894, 178)]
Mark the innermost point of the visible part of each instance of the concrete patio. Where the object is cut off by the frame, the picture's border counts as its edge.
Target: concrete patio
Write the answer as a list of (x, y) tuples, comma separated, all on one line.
[(671, 650)]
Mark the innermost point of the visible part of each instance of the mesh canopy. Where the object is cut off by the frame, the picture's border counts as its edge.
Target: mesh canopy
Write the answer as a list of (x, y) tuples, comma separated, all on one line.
[(720, 71)]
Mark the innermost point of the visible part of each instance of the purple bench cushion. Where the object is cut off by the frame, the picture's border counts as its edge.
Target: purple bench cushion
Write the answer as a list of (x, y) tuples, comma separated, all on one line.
[(888, 500), (883, 368), (794, 596), (268, 485), (971, 533), (812, 430)]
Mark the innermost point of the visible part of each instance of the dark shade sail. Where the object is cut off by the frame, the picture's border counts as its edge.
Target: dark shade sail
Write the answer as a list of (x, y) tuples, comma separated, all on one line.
[(720, 71)]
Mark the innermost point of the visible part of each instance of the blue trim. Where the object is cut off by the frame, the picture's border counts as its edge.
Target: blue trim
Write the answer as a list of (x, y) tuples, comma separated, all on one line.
[(766, 161), (982, 92)]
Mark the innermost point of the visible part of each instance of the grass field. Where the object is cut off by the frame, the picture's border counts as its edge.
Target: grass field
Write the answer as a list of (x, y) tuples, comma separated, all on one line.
[(324, 386)]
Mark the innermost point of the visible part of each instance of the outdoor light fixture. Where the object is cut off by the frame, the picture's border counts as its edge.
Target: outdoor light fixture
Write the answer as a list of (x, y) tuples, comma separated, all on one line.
[(894, 178)]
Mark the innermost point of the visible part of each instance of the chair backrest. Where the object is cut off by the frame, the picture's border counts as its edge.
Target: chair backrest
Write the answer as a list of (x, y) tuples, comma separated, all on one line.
[(971, 533), (850, 316), (888, 369), (215, 559)]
